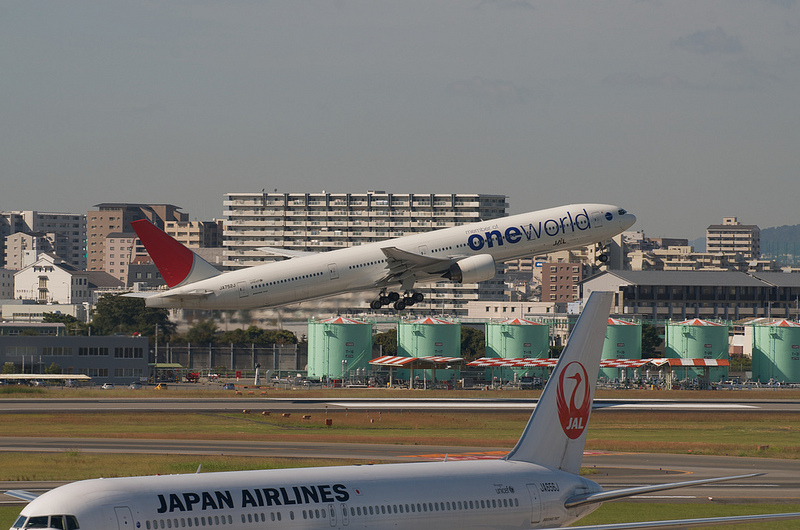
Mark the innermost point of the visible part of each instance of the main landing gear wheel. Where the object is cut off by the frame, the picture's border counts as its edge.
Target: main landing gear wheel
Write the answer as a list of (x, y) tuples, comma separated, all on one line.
[(409, 298)]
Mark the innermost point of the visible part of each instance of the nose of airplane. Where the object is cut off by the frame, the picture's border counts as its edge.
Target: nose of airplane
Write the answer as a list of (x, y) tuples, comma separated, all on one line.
[(626, 219)]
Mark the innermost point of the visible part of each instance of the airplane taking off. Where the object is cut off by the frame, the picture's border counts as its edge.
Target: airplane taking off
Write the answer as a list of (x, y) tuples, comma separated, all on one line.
[(462, 254), (536, 485)]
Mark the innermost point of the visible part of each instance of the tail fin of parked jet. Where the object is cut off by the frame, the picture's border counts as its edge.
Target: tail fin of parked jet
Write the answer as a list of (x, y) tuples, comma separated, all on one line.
[(177, 264), (556, 433)]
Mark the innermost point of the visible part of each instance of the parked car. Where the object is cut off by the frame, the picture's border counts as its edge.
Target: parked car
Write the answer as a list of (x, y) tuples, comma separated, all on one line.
[(108, 386), (228, 386), (136, 385)]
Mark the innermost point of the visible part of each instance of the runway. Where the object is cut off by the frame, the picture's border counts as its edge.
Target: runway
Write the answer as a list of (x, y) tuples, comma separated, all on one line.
[(93, 405), (779, 484)]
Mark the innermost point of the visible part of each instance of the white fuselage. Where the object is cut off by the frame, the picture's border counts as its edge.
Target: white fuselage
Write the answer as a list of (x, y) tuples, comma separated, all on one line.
[(363, 267), (494, 494)]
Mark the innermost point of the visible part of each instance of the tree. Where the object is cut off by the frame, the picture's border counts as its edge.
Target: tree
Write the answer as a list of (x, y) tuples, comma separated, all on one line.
[(650, 338), (473, 343), (73, 325), (388, 341), (203, 332), (53, 369), (121, 314), (8, 368)]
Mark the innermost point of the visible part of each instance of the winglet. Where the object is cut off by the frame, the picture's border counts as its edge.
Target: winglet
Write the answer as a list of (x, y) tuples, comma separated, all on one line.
[(177, 264), (556, 433)]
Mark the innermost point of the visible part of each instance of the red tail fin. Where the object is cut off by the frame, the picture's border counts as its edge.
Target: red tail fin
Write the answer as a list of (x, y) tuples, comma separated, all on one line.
[(174, 261)]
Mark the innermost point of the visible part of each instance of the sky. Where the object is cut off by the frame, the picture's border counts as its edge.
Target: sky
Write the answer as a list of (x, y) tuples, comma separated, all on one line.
[(682, 112)]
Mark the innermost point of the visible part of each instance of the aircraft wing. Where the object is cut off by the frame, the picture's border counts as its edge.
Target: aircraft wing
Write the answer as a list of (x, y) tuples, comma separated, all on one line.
[(405, 266), (683, 524), (285, 252), (22, 494)]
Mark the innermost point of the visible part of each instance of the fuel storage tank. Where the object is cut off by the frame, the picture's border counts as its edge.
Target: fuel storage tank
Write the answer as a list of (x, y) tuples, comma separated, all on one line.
[(776, 352), (623, 341), (338, 346), (698, 339), (517, 338)]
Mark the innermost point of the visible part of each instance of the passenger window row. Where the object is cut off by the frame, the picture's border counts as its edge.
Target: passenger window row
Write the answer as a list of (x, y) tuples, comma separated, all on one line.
[(426, 507), (189, 522)]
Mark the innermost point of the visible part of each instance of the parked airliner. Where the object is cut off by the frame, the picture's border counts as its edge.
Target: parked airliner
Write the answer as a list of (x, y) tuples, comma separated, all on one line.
[(536, 485), (463, 254)]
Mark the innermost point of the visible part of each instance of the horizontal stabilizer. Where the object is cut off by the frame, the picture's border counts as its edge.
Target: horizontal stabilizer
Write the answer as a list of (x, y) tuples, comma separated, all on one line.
[(603, 496), (683, 524), (285, 252)]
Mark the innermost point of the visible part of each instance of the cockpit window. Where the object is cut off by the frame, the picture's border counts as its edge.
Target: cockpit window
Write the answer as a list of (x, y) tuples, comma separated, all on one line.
[(621, 212), (37, 522), (59, 522)]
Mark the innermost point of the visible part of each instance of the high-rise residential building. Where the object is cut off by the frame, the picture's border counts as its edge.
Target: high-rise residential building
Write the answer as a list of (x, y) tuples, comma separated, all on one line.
[(561, 281), (320, 222), (115, 218), (732, 237), (62, 234), (196, 234)]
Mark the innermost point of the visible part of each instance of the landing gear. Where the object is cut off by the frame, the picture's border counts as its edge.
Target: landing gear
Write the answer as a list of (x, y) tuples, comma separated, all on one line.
[(409, 298)]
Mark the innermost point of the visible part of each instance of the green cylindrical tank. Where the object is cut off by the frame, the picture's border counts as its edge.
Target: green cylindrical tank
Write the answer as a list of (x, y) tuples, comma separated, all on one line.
[(338, 346), (698, 339), (518, 338), (776, 352), (428, 337), (623, 341)]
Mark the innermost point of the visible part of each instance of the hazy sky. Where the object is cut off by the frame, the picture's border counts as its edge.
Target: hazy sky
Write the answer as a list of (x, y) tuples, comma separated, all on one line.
[(680, 111)]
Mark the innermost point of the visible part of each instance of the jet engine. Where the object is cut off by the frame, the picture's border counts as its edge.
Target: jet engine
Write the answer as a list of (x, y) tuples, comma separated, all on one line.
[(473, 269)]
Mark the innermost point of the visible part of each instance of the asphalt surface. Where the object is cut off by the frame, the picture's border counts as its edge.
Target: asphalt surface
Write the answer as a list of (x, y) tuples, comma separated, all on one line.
[(320, 405)]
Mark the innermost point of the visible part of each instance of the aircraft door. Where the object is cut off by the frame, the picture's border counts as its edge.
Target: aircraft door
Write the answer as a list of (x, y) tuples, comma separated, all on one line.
[(332, 271), (243, 291), (423, 249), (332, 514), (345, 515), (597, 218), (536, 503), (124, 517)]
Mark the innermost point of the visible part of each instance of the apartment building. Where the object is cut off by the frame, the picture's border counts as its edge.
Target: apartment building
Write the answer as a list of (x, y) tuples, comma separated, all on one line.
[(196, 234), (732, 237), (63, 234), (320, 222), (561, 282)]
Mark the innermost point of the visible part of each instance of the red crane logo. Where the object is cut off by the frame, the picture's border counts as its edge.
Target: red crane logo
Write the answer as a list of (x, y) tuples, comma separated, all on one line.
[(574, 417)]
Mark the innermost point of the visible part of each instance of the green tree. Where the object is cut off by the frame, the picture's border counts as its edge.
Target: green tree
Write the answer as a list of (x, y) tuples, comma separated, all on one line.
[(8, 368), (473, 343), (121, 314), (650, 338), (53, 369), (388, 341), (73, 325), (203, 332)]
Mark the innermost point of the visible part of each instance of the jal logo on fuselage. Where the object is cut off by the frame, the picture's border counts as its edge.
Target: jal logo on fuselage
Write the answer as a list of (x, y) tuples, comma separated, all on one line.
[(573, 410), (568, 224)]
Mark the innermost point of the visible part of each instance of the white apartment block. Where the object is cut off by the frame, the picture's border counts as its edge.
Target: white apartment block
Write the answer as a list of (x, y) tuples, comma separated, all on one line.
[(319, 222), (732, 237)]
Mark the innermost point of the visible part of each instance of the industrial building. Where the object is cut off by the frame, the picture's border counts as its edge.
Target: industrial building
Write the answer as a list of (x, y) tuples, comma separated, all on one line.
[(110, 359), (662, 295)]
